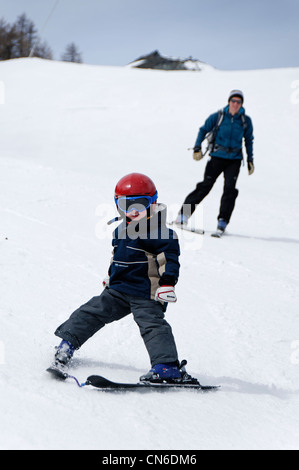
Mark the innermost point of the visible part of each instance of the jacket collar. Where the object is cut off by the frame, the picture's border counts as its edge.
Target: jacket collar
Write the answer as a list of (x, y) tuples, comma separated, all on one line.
[(242, 110), (146, 226)]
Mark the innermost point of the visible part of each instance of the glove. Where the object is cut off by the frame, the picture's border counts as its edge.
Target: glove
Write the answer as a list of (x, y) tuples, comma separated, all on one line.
[(197, 154), (105, 282), (250, 166), (165, 294)]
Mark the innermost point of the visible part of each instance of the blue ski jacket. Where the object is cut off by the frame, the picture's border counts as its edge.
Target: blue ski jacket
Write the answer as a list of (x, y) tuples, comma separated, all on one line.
[(229, 137), (145, 256)]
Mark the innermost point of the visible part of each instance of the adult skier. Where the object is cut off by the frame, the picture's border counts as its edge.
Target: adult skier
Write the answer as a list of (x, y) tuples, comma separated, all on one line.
[(227, 130), (142, 276)]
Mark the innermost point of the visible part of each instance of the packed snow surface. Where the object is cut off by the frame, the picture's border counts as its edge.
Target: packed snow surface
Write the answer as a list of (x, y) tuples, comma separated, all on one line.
[(68, 133)]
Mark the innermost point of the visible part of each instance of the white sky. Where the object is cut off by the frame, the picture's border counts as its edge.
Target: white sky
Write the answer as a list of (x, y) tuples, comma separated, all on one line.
[(229, 34)]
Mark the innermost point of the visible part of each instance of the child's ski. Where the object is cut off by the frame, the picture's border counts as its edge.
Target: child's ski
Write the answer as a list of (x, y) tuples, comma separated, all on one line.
[(104, 384)]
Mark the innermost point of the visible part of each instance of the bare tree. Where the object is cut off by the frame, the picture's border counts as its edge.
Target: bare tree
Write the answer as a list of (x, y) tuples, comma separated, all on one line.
[(42, 50), (26, 36), (20, 39), (72, 54), (7, 40)]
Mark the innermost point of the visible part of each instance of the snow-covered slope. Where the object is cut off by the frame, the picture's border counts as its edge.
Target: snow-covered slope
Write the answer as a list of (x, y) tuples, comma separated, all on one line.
[(68, 133)]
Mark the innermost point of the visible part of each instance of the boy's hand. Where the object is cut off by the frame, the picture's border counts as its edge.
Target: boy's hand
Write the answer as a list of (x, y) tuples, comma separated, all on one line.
[(165, 294), (105, 282)]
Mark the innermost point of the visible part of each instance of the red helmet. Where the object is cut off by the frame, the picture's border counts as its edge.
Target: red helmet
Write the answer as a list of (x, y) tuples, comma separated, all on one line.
[(135, 184)]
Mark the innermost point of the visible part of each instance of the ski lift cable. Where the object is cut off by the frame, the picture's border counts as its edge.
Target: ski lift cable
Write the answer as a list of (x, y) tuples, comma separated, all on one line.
[(44, 26)]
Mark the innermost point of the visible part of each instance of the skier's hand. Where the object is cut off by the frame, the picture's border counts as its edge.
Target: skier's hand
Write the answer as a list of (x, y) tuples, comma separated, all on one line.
[(197, 154), (165, 294), (105, 282), (250, 166)]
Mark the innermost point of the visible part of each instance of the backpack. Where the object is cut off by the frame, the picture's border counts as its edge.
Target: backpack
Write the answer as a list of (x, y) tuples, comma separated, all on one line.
[(211, 136)]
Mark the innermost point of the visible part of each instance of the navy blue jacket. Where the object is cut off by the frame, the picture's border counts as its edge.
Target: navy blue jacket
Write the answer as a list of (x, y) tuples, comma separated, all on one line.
[(145, 256), (229, 138)]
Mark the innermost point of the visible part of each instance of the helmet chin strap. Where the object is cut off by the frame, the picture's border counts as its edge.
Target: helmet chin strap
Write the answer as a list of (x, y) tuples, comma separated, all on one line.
[(115, 219)]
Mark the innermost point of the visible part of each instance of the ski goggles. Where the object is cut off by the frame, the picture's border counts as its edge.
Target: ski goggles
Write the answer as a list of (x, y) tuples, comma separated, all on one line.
[(135, 203)]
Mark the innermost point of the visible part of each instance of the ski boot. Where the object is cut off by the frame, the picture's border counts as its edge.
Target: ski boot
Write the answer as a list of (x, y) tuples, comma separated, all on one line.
[(63, 354), (221, 225), (171, 372), (181, 220)]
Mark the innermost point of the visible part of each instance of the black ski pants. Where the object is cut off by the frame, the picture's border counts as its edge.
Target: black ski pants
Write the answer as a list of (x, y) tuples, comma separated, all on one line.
[(214, 168), (113, 305)]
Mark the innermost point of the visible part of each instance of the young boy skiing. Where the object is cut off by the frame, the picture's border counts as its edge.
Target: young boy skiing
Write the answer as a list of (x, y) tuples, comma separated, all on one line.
[(142, 276)]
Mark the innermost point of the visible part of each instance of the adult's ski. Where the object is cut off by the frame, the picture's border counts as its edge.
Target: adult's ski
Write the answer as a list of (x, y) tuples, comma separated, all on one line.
[(199, 231)]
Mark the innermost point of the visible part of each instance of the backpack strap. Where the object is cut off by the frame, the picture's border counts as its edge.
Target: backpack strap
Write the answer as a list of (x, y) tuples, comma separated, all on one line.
[(216, 128), (218, 122), (211, 136), (244, 121)]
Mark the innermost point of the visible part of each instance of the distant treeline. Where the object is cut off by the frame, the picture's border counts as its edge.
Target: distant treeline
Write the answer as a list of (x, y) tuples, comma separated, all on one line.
[(21, 39)]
